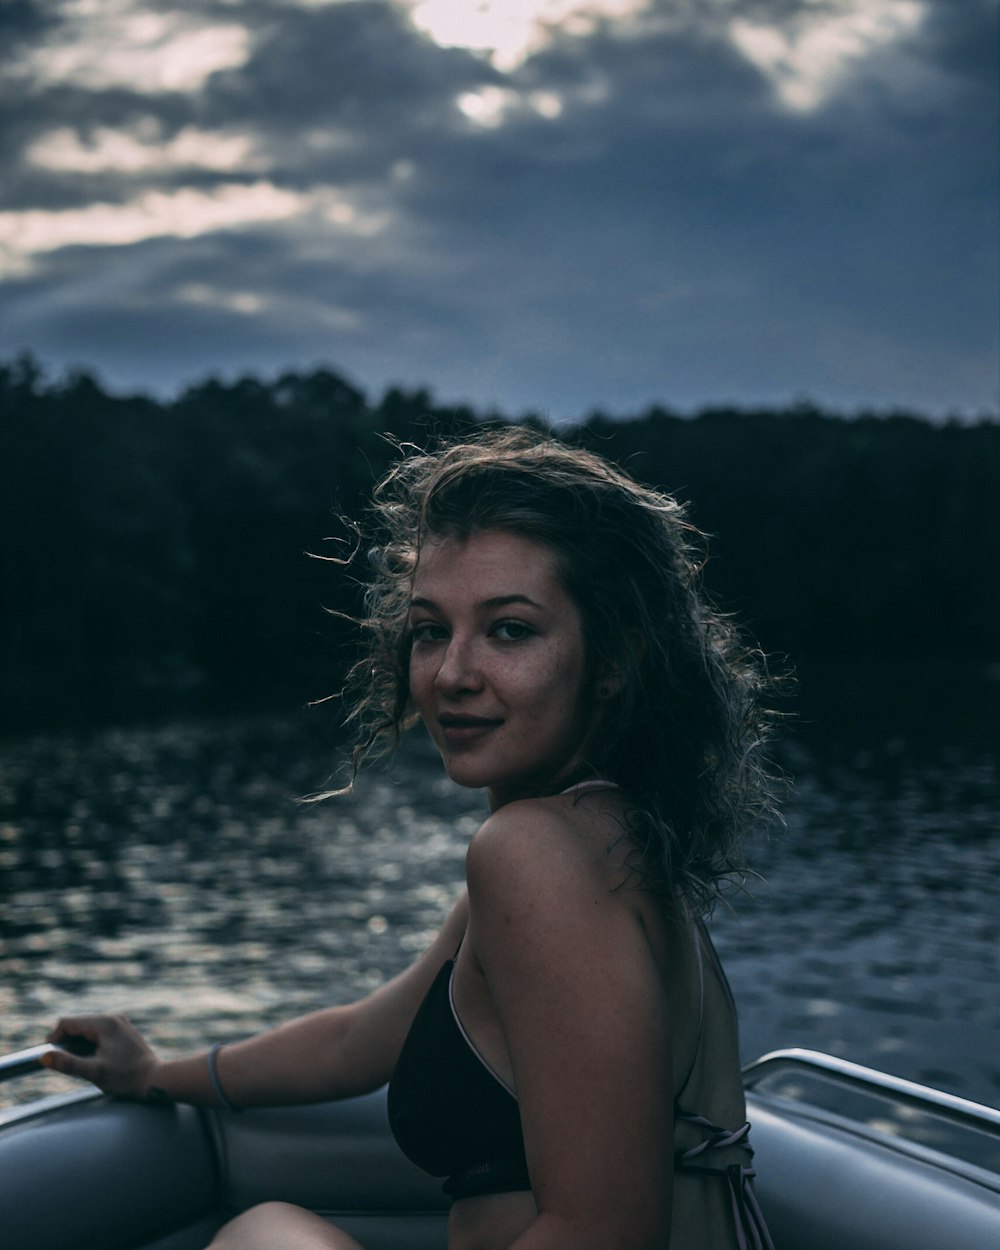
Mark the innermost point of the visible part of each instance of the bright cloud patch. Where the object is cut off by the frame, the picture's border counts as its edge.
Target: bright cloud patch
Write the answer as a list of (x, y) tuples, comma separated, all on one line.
[(510, 31), (116, 151), (489, 106), (117, 43), (809, 56), (290, 307), (182, 214), (246, 303)]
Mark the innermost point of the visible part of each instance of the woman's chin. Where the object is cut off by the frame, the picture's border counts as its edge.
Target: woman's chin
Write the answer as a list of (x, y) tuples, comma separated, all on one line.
[(469, 778)]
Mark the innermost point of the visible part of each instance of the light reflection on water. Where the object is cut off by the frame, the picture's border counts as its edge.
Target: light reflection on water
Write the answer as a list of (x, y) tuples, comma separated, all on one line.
[(172, 874)]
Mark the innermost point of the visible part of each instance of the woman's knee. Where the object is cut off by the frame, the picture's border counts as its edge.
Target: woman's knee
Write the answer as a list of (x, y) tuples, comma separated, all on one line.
[(281, 1226)]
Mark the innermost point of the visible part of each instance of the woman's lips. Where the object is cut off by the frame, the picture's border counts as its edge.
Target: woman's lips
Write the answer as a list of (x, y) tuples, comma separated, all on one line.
[(465, 730)]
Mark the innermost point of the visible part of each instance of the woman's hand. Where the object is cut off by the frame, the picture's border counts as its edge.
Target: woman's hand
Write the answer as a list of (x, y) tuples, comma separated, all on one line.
[(122, 1062)]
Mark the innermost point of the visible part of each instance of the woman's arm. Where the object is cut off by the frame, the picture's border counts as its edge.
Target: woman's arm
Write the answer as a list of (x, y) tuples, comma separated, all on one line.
[(334, 1053), (586, 1018)]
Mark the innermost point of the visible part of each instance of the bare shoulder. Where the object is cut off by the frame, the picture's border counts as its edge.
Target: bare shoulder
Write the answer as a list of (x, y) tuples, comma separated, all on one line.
[(535, 850)]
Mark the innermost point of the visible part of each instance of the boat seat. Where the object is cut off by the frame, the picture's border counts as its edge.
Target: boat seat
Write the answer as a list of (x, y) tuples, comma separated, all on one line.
[(91, 1174), (86, 1171), (338, 1159)]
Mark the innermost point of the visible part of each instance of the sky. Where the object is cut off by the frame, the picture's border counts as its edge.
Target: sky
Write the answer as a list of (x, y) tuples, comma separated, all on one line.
[(552, 206)]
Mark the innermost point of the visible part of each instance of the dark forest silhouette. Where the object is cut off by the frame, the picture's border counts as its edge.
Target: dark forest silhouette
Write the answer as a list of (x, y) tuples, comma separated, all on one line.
[(152, 553)]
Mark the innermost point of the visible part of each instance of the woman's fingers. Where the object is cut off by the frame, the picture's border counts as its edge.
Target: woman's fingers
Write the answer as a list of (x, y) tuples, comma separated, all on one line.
[(106, 1050), (78, 1039), (88, 1027), (62, 1060)]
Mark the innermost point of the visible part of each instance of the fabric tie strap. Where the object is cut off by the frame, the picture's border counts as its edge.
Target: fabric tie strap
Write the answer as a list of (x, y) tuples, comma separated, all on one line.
[(748, 1219)]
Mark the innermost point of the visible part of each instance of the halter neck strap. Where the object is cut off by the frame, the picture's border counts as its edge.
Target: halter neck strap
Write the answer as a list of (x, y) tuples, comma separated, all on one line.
[(596, 783)]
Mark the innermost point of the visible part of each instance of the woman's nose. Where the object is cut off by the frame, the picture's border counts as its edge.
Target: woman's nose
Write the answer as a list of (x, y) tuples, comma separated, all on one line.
[(459, 669)]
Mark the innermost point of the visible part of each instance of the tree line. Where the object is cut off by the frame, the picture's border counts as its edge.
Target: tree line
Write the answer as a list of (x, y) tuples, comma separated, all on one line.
[(153, 553)]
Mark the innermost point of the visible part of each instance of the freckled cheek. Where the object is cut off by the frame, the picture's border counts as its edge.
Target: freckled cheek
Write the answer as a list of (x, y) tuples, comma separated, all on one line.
[(421, 681), (553, 688)]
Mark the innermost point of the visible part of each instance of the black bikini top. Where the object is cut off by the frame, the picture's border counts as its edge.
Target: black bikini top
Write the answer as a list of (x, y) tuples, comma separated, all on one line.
[(449, 1113)]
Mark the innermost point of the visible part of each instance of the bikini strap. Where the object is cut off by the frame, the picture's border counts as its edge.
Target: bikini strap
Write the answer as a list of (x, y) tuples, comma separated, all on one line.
[(595, 783), (696, 927)]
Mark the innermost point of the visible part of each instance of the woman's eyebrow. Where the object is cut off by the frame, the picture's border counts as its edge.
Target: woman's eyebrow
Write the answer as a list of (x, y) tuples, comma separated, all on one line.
[(495, 601), (501, 601)]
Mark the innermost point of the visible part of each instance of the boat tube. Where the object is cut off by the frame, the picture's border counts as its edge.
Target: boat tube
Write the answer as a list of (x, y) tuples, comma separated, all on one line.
[(847, 1159)]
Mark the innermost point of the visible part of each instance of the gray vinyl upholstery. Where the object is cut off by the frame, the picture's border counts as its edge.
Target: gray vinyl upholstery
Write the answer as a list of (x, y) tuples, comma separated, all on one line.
[(338, 1159), (823, 1186), (94, 1175), (89, 1173)]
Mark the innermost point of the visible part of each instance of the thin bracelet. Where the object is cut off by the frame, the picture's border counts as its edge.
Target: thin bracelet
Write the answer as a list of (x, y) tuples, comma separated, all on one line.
[(213, 1075)]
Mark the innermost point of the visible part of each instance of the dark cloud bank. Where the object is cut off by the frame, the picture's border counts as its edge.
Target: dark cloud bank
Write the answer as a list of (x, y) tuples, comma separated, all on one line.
[(672, 234)]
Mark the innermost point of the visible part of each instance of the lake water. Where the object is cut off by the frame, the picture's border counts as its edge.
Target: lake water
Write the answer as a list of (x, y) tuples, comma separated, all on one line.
[(172, 873)]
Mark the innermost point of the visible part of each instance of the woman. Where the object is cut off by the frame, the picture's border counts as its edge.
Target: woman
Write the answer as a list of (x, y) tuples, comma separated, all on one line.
[(565, 1052)]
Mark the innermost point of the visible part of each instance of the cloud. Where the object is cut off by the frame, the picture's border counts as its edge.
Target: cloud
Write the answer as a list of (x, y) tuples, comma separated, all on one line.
[(183, 214), (101, 44), (807, 57), (108, 149), (23, 20), (509, 32)]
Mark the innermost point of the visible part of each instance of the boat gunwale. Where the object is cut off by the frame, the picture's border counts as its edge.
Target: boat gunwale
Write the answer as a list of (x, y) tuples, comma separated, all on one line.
[(960, 1111), (857, 1074)]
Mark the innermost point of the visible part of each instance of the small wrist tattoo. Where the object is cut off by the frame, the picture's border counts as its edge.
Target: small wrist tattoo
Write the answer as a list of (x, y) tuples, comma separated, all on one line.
[(159, 1096)]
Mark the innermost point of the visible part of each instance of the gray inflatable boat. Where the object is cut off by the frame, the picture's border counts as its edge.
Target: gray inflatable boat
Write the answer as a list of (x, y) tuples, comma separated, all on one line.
[(847, 1159)]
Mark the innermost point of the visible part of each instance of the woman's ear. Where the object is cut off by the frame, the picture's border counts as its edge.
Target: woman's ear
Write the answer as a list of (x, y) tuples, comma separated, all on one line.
[(612, 675), (608, 686)]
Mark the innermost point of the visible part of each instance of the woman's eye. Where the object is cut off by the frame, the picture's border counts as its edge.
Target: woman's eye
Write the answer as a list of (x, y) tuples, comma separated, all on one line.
[(512, 631), (426, 631)]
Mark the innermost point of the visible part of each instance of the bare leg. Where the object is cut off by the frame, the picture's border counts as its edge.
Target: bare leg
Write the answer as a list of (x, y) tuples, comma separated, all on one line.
[(281, 1226)]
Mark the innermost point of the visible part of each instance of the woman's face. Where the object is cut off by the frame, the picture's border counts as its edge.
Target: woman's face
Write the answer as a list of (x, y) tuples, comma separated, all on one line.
[(497, 665)]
